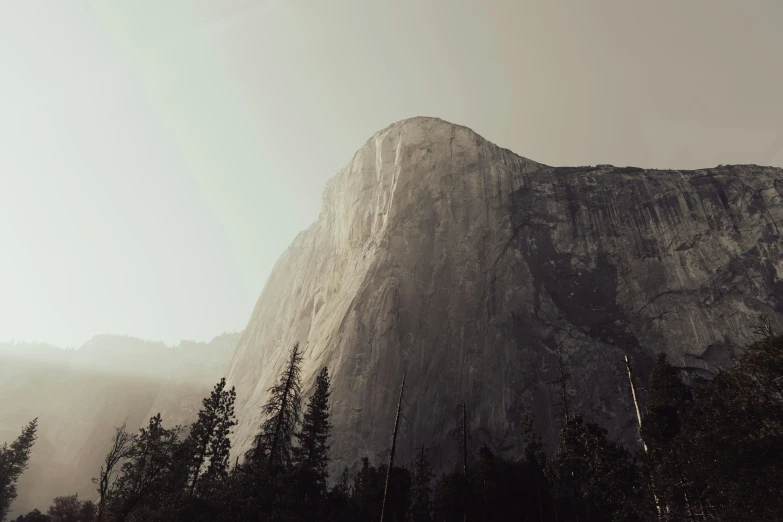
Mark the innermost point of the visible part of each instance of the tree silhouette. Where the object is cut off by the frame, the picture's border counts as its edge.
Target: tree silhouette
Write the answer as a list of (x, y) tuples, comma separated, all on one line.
[(421, 489), (71, 509), (34, 516), (13, 461), (150, 474), (731, 441), (715, 452), (208, 439), (120, 449), (272, 445), (667, 401), (311, 454), (594, 477)]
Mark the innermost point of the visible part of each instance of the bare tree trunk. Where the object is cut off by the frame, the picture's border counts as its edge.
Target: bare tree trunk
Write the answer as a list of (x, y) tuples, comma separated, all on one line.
[(393, 447), (639, 420), (635, 402), (464, 441), (122, 445), (464, 433)]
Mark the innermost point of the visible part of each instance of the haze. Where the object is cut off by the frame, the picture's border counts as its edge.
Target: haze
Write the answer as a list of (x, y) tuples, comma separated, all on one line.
[(157, 157)]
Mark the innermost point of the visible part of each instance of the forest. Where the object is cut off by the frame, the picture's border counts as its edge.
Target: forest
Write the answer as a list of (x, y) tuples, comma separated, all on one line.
[(711, 449)]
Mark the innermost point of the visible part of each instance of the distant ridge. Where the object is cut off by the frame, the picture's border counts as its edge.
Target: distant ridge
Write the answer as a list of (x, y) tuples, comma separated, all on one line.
[(79, 395)]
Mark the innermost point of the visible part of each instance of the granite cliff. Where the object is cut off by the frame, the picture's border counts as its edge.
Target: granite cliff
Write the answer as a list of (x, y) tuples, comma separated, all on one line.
[(441, 255)]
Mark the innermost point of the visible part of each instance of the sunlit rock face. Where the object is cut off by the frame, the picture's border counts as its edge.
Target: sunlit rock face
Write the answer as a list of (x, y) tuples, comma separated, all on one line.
[(466, 267)]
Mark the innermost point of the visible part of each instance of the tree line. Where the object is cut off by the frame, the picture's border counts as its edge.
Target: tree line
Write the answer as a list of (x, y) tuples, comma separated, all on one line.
[(711, 449)]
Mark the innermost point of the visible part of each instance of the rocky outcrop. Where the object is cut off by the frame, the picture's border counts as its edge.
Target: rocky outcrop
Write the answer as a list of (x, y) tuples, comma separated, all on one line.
[(466, 267)]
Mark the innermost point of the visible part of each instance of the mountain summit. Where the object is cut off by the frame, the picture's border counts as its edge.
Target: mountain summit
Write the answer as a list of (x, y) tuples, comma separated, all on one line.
[(470, 269)]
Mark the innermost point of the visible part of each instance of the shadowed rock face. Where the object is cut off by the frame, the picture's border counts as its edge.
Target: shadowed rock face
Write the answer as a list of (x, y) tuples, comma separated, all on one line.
[(444, 256)]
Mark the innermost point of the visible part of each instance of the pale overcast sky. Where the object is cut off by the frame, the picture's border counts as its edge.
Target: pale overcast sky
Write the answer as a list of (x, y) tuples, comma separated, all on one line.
[(157, 156)]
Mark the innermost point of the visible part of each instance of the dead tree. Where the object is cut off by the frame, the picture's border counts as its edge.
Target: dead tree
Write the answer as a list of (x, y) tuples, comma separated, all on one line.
[(639, 420), (393, 447), (121, 448), (463, 436), (764, 330), (464, 440), (635, 402)]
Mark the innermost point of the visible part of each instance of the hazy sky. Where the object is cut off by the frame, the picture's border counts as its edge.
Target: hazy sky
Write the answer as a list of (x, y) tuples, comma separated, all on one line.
[(157, 156)]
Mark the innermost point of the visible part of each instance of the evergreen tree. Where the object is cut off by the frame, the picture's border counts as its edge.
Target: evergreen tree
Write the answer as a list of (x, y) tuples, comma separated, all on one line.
[(34, 516), (71, 509), (398, 494), (13, 461), (506, 489), (732, 437), (421, 491), (534, 484), (89, 511), (715, 452), (595, 479), (667, 402), (209, 439), (312, 451), (367, 491), (486, 485), (311, 454), (338, 499), (449, 497), (272, 446), (152, 477), (265, 486), (667, 397)]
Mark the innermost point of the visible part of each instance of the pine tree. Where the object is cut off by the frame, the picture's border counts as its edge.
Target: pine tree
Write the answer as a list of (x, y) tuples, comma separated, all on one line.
[(484, 484), (535, 483), (342, 487), (449, 497), (668, 399), (34, 516), (456, 487), (151, 476), (731, 440), (71, 509), (338, 500), (311, 454), (208, 439), (272, 446), (421, 491), (716, 447), (13, 461), (594, 477), (368, 489)]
